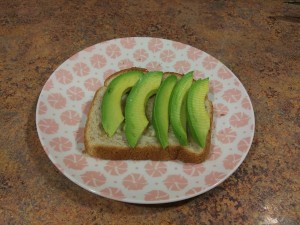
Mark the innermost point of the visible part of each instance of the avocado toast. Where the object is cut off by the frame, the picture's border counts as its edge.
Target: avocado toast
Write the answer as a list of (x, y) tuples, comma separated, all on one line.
[(139, 127)]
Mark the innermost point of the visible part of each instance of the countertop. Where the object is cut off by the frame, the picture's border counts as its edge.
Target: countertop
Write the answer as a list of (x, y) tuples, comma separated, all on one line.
[(257, 40)]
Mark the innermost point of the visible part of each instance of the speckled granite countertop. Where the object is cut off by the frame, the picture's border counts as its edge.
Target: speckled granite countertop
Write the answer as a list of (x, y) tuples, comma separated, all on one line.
[(258, 40)]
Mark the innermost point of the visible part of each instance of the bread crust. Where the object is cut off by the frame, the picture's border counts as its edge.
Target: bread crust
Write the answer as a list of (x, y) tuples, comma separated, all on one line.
[(175, 152)]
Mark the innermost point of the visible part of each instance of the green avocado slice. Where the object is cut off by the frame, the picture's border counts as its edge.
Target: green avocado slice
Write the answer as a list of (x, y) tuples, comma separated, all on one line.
[(111, 109), (199, 120), (178, 111), (160, 117), (135, 116)]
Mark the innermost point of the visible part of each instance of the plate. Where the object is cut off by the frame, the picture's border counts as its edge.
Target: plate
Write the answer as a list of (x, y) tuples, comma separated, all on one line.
[(64, 102)]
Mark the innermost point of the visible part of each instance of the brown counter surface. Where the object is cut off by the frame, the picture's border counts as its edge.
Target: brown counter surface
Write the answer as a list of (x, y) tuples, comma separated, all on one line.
[(257, 40)]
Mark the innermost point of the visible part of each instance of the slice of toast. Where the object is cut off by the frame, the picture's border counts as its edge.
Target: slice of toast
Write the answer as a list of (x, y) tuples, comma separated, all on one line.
[(98, 144)]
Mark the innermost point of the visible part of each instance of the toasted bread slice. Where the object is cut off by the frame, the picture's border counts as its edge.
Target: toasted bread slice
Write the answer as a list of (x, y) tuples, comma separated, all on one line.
[(98, 144)]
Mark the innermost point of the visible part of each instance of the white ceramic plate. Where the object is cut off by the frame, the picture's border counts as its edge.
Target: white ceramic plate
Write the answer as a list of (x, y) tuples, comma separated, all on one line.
[(64, 101)]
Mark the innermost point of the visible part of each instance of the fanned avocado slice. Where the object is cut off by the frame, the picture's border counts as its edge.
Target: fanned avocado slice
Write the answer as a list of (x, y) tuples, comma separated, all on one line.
[(199, 120), (111, 110), (135, 116), (160, 117), (178, 109)]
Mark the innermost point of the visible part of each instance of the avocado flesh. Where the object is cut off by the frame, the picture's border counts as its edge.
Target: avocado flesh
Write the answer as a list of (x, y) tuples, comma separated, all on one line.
[(135, 115), (199, 121), (178, 111), (160, 116), (191, 129), (111, 109)]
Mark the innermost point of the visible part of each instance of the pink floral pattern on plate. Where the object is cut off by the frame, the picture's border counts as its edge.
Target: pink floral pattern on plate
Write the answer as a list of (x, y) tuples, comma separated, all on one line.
[(64, 103)]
